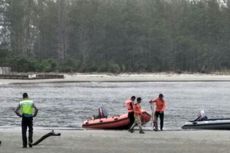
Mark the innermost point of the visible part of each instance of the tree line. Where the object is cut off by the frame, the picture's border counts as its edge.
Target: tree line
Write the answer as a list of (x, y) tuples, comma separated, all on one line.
[(115, 35)]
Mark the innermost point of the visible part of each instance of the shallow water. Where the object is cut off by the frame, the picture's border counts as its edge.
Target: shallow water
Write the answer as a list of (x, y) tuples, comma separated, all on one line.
[(69, 104)]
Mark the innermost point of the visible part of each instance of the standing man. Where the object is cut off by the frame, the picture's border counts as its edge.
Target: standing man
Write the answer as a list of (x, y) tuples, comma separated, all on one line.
[(27, 110), (129, 105), (160, 106), (137, 115)]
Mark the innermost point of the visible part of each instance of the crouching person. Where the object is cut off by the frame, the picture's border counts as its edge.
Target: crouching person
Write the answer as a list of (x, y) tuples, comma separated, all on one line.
[(137, 116)]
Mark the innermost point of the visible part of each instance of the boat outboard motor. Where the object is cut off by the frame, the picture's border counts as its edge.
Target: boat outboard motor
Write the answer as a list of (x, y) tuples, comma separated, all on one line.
[(201, 116), (102, 112)]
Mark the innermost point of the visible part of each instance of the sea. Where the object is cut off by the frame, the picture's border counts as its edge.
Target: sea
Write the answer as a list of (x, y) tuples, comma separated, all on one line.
[(67, 105)]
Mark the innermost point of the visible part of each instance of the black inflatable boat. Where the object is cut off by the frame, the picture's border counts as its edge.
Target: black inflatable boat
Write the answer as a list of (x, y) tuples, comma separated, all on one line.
[(212, 124)]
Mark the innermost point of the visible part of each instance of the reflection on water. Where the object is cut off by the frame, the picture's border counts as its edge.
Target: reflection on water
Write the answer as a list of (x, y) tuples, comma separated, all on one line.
[(69, 104)]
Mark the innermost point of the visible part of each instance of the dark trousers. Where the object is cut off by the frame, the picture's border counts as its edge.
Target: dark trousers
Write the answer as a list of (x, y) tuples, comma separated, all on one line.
[(27, 122), (131, 118), (161, 114)]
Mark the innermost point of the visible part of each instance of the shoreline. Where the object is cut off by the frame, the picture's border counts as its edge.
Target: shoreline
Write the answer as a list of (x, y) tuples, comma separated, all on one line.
[(101, 141), (126, 77)]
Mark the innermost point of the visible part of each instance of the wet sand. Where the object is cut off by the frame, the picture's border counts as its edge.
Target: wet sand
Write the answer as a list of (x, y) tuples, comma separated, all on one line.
[(99, 141), (126, 77)]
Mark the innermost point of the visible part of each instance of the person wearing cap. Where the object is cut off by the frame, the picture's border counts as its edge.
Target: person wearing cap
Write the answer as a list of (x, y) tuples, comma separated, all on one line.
[(160, 106), (26, 110), (129, 105), (137, 115)]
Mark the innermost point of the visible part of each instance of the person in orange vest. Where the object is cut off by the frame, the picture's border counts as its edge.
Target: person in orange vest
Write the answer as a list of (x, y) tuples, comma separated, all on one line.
[(137, 115), (129, 105), (160, 106)]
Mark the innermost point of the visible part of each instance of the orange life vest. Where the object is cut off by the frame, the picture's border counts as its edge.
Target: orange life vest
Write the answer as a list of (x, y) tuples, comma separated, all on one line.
[(137, 109), (160, 105), (129, 105)]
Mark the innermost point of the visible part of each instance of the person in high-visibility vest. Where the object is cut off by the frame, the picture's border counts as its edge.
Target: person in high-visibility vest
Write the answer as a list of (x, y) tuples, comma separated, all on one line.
[(26, 110), (129, 105), (160, 106), (137, 115)]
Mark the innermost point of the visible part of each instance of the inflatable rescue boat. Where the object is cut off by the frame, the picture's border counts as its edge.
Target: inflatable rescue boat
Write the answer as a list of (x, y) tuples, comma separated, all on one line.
[(114, 122)]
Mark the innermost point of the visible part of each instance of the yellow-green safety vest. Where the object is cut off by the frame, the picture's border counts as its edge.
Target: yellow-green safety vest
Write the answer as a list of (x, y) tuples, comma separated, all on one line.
[(26, 107)]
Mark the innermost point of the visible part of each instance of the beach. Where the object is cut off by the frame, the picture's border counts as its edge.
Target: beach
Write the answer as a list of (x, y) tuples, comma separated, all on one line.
[(126, 77), (100, 141)]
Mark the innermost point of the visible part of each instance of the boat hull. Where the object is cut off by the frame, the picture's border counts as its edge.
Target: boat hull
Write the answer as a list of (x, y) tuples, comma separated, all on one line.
[(114, 122)]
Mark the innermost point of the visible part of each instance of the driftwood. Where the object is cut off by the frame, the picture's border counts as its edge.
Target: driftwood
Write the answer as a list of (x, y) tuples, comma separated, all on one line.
[(52, 133)]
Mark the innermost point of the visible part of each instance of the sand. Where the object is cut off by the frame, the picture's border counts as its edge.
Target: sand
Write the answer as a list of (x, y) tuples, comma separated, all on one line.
[(100, 141), (126, 77)]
